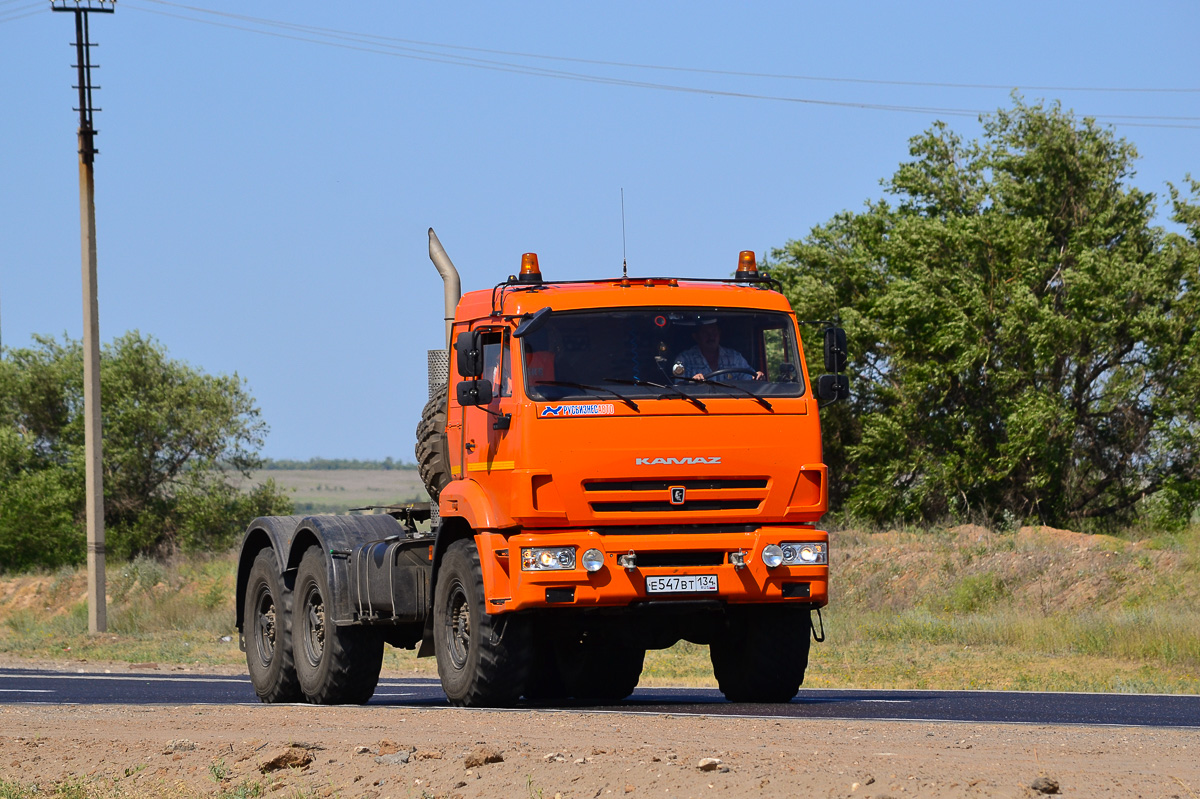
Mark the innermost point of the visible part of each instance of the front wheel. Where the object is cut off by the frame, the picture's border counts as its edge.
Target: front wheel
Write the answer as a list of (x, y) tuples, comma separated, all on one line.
[(763, 653), (267, 621), (334, 665), (482, 660)]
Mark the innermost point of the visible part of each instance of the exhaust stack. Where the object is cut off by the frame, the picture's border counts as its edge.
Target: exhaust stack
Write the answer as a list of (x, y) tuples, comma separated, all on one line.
[(437, 254)]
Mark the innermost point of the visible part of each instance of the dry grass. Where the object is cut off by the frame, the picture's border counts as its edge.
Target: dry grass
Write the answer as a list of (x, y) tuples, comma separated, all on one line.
[(964, 608)]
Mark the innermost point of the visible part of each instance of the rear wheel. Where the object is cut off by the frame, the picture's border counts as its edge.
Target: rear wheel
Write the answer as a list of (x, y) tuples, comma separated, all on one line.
[(545, 682), (763, 654), (483, 660), (267, 621), (334, 665), (599, 670)]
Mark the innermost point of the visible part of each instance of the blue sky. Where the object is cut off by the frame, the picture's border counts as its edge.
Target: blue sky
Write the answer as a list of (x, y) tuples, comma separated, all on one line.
[(263, 195)]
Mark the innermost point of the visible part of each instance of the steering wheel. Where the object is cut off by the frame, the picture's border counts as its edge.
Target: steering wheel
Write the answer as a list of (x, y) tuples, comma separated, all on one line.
[(736, 369)]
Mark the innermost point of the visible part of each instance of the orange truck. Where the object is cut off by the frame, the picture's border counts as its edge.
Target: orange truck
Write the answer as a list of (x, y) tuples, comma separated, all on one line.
[(614, 465)]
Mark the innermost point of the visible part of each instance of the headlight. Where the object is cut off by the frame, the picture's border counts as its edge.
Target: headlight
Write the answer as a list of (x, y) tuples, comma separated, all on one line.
[(805, 553), (593, 560), (547, 558), (772, 556)]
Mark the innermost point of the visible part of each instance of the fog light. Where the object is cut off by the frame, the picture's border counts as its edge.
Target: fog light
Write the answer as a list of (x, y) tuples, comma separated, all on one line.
[(593, 560), (772, 555), (547, 558)]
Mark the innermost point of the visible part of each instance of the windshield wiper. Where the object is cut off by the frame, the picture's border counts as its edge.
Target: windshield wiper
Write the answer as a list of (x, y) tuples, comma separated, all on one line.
[(761, 401), (586, 387), (678, 393)]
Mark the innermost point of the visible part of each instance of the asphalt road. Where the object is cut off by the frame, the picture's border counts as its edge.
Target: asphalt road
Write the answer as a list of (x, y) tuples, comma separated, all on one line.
[(1152, 710)]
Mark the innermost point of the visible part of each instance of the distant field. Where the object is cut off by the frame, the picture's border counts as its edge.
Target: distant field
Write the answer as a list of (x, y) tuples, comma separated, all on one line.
[(337, 490)]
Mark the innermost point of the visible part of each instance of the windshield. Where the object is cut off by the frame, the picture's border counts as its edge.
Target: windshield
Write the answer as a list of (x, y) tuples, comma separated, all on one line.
[(662, 352)]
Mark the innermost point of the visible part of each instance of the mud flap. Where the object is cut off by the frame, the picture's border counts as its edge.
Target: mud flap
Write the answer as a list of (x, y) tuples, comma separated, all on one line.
[(818, 637)]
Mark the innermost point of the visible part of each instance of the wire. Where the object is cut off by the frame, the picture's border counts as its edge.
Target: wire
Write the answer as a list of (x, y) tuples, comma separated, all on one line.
[(13, 14), (377, 45), (695, 70)]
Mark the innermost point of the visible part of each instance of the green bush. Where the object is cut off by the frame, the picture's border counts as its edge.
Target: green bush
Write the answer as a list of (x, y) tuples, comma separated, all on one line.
[(975, 593), (1024, 339)]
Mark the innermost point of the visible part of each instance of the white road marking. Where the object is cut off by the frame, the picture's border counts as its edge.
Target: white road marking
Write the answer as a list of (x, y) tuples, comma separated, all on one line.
[(228, 680), (124, 677), (25, 691), (889, 701)]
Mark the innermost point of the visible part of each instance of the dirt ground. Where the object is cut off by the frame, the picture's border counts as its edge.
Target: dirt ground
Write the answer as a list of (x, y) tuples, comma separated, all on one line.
[(300, 751)]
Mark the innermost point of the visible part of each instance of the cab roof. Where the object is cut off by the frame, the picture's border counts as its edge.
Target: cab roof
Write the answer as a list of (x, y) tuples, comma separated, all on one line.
[(512, 299)]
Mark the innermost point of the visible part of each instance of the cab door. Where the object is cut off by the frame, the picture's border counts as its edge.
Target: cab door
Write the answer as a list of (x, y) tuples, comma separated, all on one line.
[(485, 456)]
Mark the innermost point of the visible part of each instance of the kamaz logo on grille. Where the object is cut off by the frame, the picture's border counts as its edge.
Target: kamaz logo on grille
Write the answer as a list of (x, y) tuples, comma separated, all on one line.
[(675, 461)]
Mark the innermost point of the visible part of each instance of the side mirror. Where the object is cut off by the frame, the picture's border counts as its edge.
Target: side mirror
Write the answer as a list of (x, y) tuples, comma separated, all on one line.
[(835, 349), (474, 392), (831, 388), (469, 348), (532, 324)]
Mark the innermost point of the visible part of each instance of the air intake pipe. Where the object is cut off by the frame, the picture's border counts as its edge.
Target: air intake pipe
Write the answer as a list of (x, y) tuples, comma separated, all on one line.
[(437, 254)]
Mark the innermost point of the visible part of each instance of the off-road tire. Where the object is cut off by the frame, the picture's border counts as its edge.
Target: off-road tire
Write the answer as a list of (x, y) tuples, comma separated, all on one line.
[(334, 665), (432, 451), (598, 670), (483, 660), (267, 621), (763, 653)]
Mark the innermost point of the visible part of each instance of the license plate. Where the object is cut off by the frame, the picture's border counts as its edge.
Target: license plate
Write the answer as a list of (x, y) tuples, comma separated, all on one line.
[(681, 584)]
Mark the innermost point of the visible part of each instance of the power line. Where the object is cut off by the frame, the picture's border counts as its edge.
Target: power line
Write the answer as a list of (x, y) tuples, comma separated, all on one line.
[(370, 43), (14, 14), (664, 67)]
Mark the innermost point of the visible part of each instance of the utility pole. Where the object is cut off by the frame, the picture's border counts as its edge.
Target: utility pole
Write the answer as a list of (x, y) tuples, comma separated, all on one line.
[(97, 606)]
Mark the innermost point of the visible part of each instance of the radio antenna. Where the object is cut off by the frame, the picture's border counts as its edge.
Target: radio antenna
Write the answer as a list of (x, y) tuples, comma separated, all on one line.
[(624, 264)]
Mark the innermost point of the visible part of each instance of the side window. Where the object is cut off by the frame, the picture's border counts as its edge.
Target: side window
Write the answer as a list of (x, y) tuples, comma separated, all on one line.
[(778, 349), (496, 365)]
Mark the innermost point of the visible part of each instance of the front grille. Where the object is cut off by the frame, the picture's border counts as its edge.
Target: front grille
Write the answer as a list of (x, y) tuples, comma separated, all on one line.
[(667, 507), (676, 529), (664, 485), (654, 495), (660, 559)]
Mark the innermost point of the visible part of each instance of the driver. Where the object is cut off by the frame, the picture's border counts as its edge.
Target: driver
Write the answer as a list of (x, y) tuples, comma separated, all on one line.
[(709, 356)]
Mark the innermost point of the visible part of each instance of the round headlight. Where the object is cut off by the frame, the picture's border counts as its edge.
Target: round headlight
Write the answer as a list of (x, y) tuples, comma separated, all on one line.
[(566, 559), (789, 553), (593, 559), (808, 554), (546, 558), (772, 555)]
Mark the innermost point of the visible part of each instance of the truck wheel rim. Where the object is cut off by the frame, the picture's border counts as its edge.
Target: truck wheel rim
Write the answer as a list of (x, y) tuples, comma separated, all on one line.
[(265, 626), (314, 626), (458, 626)]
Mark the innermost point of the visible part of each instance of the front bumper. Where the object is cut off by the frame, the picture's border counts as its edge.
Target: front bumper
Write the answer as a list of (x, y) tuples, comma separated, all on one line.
[(509, 588)]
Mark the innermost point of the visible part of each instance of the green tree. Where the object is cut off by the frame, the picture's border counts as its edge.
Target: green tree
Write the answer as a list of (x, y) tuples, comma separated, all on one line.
[(174, 439), (1023, 337)]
